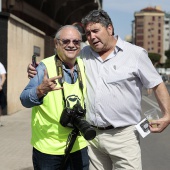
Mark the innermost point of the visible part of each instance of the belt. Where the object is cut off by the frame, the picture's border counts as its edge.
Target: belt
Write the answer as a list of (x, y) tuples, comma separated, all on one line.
[(103, 128)]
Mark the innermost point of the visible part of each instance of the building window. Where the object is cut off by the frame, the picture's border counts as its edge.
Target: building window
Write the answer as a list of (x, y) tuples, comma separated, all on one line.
[(159, 24), (140, 37), (139, 31), (140, 17), (153, 18), (139, 24), (159, 44), (159, 31), (139, 44), (159, 37), (159, 18)]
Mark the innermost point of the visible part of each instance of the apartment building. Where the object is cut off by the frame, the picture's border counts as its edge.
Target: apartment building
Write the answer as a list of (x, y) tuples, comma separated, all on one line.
[(167, 31), (149, 30)]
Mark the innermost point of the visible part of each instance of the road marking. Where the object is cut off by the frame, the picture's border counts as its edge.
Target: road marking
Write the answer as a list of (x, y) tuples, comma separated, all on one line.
[(151, 102)]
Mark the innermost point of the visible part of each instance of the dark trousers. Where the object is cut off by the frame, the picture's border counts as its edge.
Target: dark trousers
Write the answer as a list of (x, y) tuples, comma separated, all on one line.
[(78, 160), (3, 101)]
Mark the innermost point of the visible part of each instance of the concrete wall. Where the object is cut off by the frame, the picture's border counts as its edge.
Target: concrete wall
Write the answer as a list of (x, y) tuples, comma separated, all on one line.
[(21, 40)]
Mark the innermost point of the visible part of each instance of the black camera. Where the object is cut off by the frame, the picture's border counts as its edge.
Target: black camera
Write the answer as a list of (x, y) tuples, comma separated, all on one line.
[(75, 118)]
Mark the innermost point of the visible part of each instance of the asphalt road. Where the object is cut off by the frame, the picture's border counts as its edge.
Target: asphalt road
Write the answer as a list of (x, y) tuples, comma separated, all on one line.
[(15, 148), (155, 147)]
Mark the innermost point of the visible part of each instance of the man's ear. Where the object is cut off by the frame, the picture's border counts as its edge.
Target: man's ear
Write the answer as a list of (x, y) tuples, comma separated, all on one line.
[(55, 43), (110, 29)]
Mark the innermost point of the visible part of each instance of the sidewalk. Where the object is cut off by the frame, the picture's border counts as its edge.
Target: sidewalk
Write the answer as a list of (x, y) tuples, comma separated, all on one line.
[(15, 147)]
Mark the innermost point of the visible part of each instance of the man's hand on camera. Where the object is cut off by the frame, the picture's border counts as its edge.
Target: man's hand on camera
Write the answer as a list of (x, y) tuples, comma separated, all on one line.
[(47, 85)]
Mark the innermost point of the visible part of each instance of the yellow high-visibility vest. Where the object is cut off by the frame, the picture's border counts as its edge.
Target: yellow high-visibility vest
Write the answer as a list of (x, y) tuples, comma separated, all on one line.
[(48, 135)]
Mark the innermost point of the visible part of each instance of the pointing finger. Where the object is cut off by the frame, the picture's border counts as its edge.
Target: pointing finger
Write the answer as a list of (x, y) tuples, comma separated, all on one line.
[(54, 78), (58, 88)]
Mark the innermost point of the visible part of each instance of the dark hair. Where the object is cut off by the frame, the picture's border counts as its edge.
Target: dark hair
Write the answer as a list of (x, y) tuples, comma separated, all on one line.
[(98, 16), (81, 30)]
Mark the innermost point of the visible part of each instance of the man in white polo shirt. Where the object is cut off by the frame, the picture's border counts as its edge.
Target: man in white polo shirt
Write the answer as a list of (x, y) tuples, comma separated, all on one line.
[(116, 71)]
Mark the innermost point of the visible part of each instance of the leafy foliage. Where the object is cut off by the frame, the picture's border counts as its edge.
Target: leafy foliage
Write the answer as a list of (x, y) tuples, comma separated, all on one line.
[(167, 63), (155, 58), (167, 53)]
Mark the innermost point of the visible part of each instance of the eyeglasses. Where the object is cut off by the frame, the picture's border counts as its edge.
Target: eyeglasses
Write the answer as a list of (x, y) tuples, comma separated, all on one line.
[(97, 13), (67, 41)]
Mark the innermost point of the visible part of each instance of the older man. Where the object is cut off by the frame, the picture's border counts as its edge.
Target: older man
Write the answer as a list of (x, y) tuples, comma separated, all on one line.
[(52, 96)]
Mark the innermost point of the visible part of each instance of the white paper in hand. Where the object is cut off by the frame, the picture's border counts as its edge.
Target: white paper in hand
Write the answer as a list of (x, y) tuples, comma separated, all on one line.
[(143, 128)]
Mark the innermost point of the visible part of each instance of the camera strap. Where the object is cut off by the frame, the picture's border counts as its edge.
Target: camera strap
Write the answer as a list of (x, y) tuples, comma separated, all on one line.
[(59, 69), (71, 139), (75, 132)]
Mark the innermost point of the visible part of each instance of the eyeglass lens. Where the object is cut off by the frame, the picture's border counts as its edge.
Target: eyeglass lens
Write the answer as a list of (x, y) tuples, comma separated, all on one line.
[(67, 41)]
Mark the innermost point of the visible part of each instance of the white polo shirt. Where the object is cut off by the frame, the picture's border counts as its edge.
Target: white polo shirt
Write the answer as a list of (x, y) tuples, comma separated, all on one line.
[(114, 86), (2, 70)]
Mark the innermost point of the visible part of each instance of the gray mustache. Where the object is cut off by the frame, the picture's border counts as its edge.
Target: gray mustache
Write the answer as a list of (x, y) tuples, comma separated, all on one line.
[(71, 49)]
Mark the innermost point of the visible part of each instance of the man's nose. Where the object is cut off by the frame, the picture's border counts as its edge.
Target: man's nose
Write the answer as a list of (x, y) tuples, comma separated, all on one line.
[(93, 35), (71, 44)]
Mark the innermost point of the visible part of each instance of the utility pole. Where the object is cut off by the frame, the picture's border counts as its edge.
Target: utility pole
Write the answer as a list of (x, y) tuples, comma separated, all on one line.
[(0, 5)]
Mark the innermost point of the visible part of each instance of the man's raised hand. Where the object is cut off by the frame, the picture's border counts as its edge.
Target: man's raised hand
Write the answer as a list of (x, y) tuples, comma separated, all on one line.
[(47, 85)]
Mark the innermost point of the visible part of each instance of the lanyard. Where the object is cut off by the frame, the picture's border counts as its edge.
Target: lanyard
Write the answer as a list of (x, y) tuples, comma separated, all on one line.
[(59, 69)]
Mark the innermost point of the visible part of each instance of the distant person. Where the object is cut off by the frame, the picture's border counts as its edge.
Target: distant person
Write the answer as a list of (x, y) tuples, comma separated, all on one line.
[(3, 102), (50, 97), (164, 78), (116, 71)]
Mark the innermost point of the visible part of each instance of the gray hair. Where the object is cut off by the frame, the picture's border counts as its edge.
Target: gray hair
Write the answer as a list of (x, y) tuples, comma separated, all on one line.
[(57, 35), (98, 16)]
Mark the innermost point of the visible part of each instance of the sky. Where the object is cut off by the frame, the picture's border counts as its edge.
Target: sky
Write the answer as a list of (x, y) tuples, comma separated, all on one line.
[(121, 12)]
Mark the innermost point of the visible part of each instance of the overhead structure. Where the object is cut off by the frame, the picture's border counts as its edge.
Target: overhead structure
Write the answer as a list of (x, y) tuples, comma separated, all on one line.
[(27, 28), (49, 15)]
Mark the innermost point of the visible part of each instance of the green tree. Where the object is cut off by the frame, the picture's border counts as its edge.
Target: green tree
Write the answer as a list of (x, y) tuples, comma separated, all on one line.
[(167, 62), (167, 53), (155, 58)]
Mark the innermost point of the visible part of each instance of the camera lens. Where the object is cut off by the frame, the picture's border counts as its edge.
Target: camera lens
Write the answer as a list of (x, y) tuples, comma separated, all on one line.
[(84, 127)]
